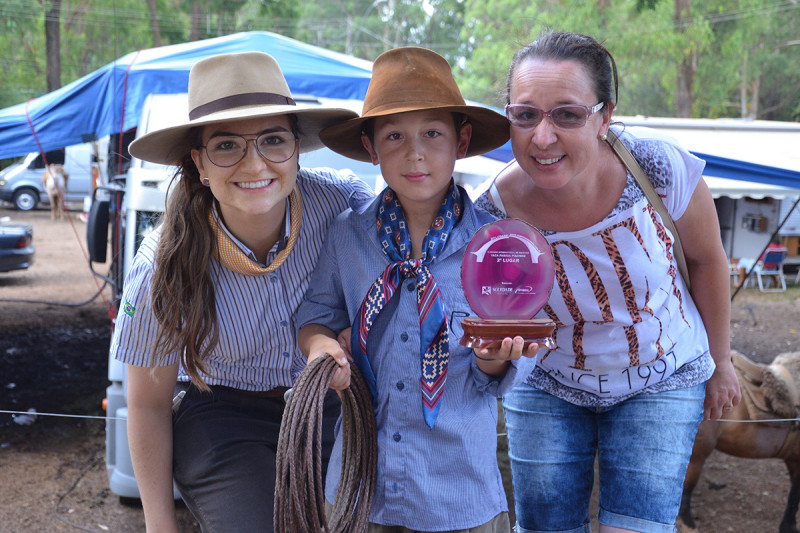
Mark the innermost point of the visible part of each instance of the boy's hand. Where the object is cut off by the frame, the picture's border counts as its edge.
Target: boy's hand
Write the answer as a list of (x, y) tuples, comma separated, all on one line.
[(509, 350), (322, 347), (495, 361), (344, 340)]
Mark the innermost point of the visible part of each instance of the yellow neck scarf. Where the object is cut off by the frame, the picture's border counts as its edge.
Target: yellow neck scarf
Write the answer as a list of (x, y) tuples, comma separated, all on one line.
[(233, 258)]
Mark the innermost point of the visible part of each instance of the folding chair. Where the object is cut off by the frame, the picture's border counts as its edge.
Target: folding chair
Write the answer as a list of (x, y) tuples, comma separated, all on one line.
[(772, 265)]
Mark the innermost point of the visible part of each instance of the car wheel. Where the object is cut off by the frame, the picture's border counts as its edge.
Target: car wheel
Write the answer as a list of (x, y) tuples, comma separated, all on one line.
[(26, 199)]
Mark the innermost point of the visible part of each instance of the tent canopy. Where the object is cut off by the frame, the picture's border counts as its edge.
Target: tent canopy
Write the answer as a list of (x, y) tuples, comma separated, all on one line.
[(109, 100)]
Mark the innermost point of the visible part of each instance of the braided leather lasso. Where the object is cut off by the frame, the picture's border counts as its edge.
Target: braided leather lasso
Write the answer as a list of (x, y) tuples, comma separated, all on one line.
[(299, 495)]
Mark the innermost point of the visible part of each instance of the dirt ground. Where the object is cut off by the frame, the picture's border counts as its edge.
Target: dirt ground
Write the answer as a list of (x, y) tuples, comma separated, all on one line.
[(53, 358)]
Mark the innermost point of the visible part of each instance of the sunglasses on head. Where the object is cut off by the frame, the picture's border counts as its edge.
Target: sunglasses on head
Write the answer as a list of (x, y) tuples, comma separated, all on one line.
[(563, 116)]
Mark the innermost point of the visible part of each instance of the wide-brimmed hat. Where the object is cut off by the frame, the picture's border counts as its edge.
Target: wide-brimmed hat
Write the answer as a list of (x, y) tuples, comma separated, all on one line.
[(415, 79), (230, 87)]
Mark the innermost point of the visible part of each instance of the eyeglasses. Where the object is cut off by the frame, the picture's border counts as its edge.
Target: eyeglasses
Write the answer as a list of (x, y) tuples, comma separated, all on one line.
[(227, 150), (563, 116)]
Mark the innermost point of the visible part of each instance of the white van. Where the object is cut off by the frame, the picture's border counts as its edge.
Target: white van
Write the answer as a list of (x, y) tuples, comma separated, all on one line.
[(21, 183)]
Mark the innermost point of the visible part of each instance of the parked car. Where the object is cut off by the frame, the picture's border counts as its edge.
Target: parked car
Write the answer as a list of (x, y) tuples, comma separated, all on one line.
[(16, 246), (21, 183)]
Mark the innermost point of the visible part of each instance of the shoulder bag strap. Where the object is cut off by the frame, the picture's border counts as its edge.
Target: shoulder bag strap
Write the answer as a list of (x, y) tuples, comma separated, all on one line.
[(655, 200)]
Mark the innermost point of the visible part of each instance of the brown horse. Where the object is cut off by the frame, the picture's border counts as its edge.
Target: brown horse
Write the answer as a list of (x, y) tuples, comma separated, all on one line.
[(769, 392)]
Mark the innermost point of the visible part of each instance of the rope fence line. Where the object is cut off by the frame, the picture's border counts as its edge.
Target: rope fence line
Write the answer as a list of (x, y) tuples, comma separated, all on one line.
[(62, 415), (98, 417)]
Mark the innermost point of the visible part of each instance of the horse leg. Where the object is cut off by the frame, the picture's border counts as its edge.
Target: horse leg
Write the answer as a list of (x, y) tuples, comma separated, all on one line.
[(789, 521), (704, 444), (59, 206), (685, 512)]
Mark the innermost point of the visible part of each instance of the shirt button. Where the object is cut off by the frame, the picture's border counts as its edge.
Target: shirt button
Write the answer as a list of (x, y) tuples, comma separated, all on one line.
[(410, 286), (404, 337), (286, 354), (284, 323), (400, 385), (273, 279), (397, 437)]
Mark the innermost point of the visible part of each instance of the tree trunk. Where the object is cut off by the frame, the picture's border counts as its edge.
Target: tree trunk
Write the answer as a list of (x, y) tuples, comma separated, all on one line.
[(52, 35), (687, 67), (151, 5), (743, 88), (197, 20), (754, 98)]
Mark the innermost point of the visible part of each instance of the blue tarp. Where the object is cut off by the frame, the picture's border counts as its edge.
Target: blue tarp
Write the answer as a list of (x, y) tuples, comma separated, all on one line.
[(92, 106)]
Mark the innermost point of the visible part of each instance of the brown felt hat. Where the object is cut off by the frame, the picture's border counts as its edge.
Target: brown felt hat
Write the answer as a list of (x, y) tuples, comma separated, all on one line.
[(237, 86), (415, 79)]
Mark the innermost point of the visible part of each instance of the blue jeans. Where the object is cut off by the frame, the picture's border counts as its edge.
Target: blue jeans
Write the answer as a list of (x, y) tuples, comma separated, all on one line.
[(643, 445)]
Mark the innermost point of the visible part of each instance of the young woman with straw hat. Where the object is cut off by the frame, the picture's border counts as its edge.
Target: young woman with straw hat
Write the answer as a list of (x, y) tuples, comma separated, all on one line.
[(210, 299)]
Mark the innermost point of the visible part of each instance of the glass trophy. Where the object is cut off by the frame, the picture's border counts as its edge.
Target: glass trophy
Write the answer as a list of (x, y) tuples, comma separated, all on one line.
[(507, 274)]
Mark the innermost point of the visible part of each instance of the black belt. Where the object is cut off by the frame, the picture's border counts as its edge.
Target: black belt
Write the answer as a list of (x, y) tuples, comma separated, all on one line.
[(272, 393)]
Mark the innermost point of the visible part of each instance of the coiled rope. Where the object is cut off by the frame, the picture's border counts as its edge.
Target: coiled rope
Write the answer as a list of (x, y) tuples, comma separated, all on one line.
[(299, 495)]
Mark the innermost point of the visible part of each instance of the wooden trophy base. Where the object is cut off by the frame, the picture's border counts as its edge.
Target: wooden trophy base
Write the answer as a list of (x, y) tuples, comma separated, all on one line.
[(485, 333)]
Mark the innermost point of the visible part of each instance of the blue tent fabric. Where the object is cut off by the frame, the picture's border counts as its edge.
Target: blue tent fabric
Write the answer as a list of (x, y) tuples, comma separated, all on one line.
[(92, 106), (718, 167), (722, 167)]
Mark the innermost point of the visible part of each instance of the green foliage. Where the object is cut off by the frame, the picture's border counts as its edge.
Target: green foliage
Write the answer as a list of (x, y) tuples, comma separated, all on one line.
[(740, 48), (746, 52), (96, 32)]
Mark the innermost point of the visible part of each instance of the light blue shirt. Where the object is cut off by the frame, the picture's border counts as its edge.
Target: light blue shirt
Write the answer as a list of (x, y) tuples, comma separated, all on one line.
[(440, 479), (257, 347)]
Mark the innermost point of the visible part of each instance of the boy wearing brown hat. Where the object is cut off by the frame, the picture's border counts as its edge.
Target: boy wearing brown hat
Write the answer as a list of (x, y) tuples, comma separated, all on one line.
[(390, 268)]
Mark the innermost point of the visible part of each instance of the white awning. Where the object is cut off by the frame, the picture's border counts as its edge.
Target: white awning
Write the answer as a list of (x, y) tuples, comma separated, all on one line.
[(739, 189)]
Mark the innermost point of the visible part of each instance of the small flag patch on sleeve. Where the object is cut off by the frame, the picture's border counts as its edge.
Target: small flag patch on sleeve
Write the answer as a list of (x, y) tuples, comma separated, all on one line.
[(129, 309)]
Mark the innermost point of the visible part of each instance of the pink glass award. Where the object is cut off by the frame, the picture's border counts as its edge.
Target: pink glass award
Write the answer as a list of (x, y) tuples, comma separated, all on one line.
[(507, 274)]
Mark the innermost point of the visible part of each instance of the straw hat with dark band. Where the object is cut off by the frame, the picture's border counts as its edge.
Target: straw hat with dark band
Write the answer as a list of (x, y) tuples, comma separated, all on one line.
[(415, 79), (230, 87)]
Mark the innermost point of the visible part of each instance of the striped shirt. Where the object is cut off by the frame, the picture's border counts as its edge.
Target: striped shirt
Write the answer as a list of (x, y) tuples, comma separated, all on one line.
[(257, 347)]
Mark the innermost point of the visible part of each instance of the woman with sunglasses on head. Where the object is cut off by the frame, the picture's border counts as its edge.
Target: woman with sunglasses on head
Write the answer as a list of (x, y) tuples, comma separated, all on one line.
[(640, 360), (210, 300)]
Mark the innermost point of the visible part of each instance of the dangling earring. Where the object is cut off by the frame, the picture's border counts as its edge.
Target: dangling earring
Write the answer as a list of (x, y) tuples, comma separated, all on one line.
[(206, 182), (602, 136)]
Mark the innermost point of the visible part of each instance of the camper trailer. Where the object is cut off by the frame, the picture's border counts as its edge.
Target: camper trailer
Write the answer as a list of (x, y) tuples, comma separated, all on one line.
[(751, 211)]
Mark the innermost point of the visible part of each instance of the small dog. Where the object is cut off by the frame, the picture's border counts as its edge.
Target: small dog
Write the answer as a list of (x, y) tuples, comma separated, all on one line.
[(55, 180)]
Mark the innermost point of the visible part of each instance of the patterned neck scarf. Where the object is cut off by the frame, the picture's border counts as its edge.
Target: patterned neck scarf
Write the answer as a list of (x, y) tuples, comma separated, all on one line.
[(434, 347), (233, 258)]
